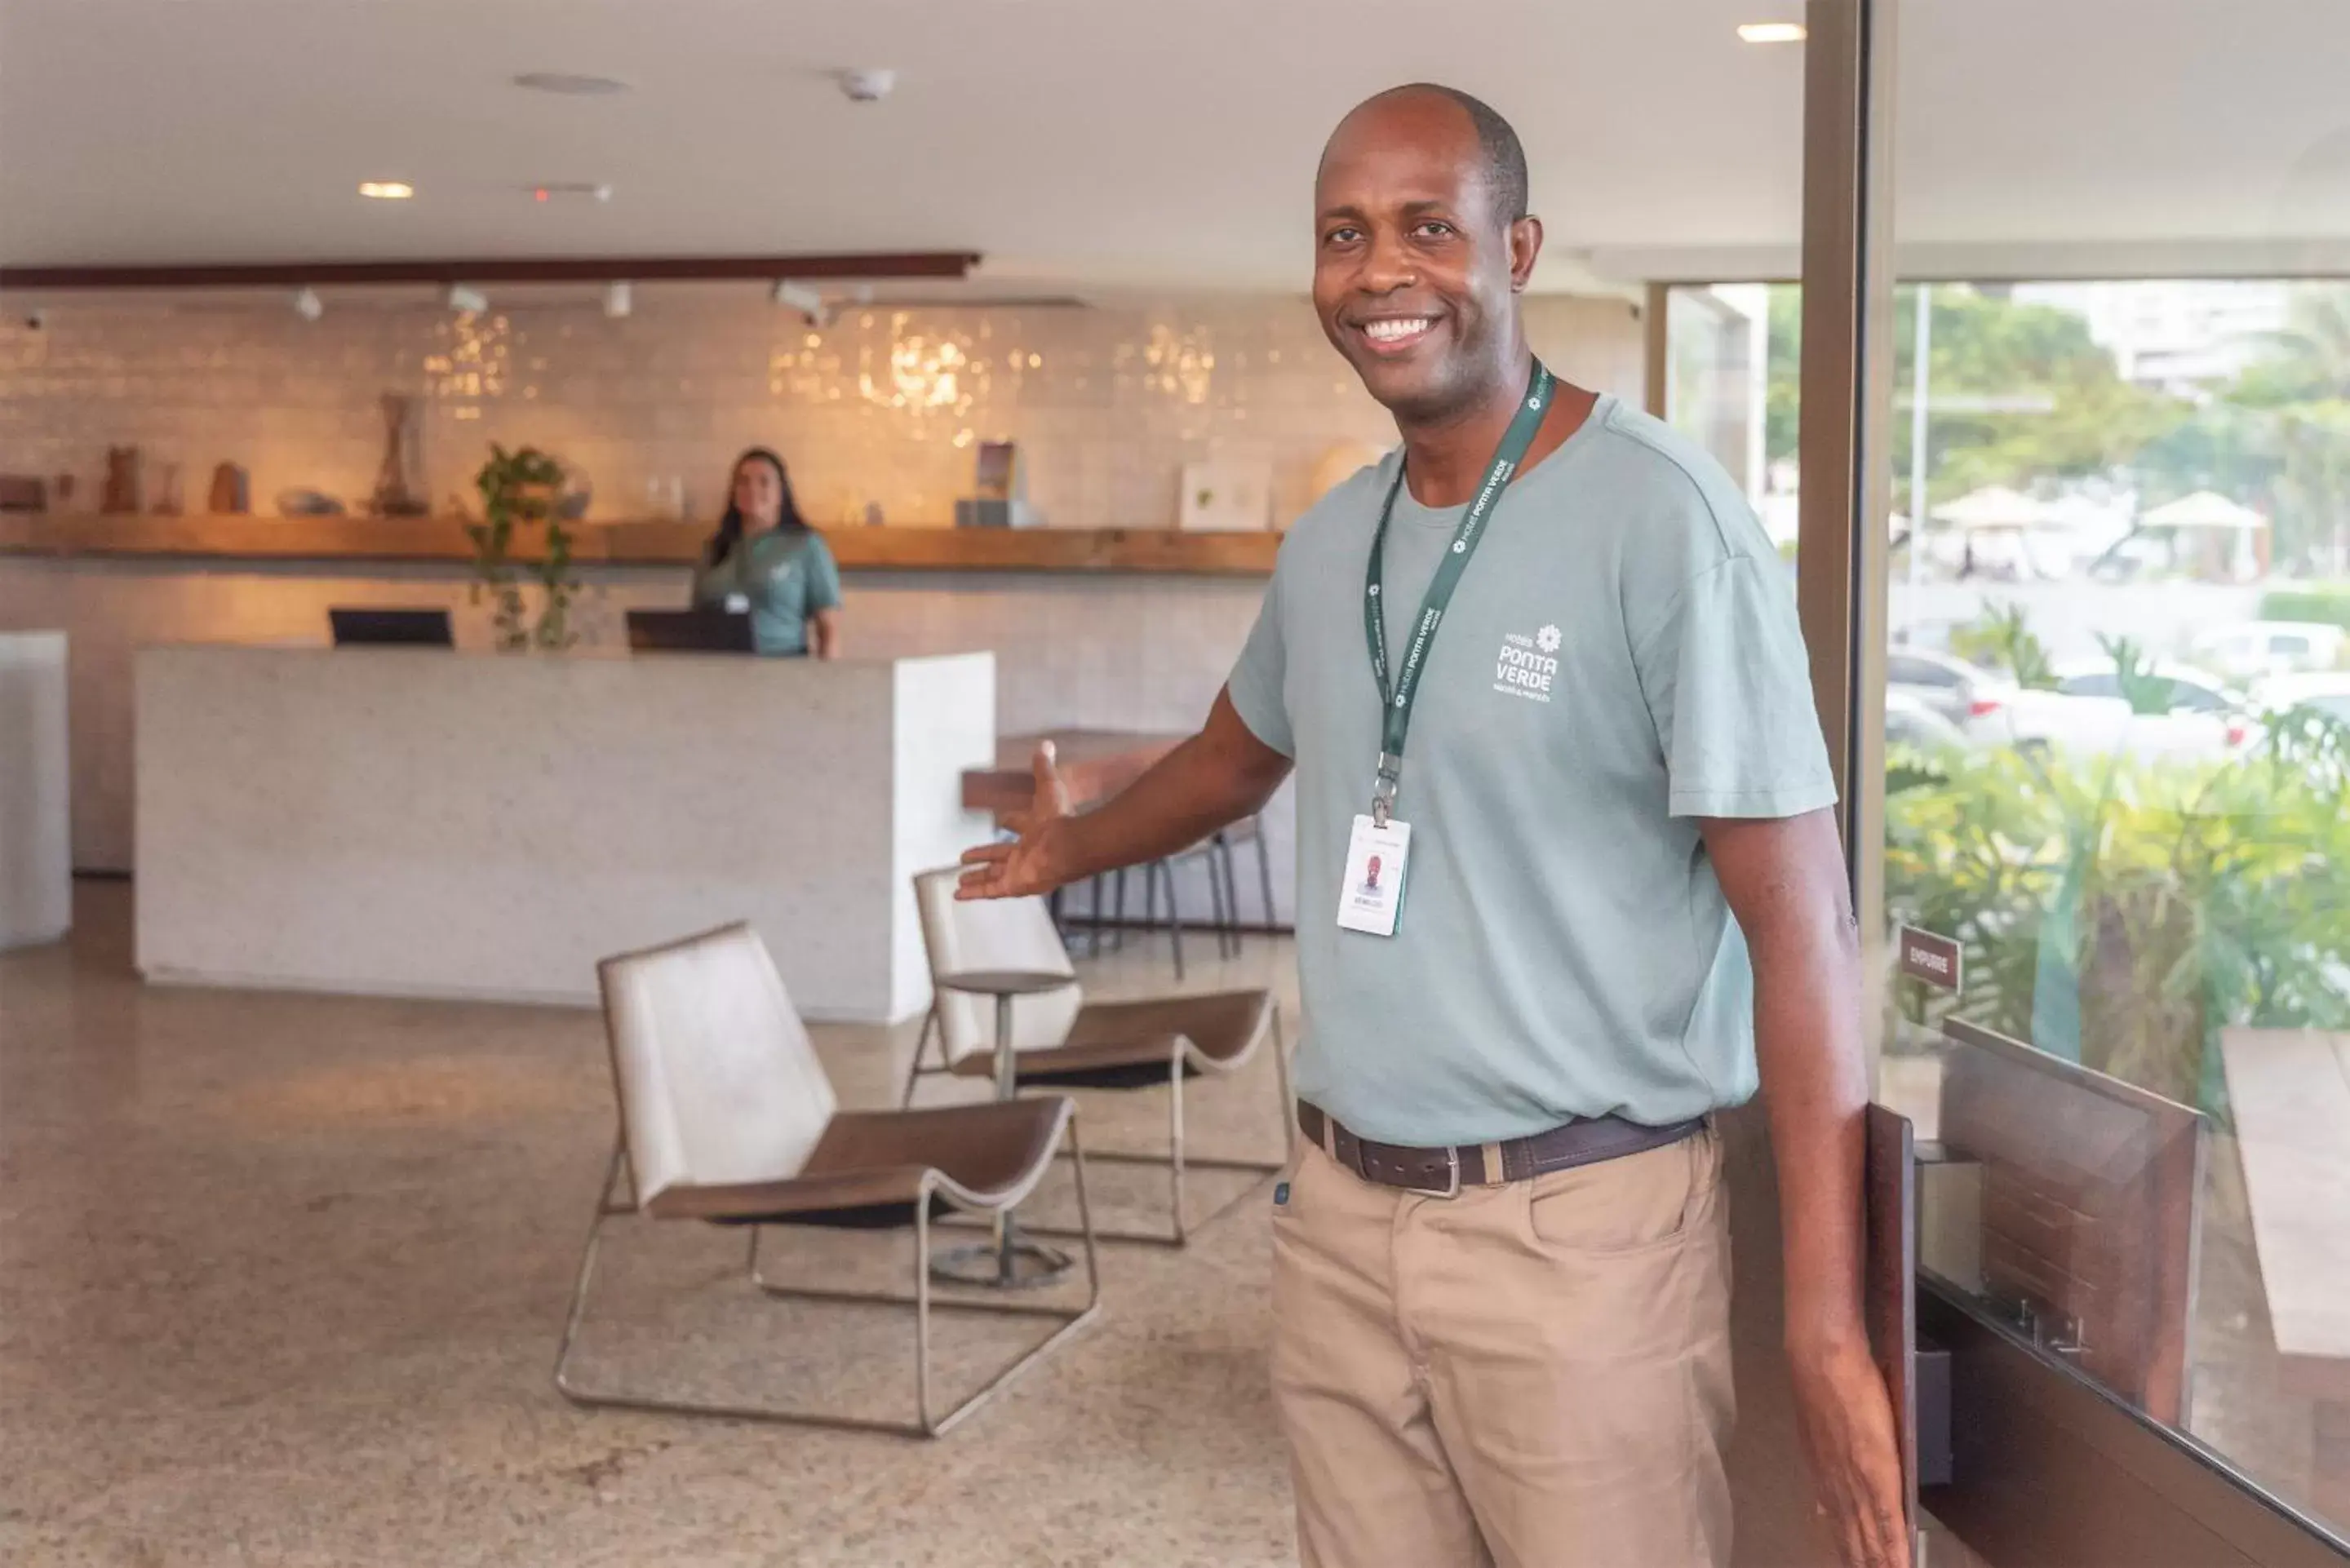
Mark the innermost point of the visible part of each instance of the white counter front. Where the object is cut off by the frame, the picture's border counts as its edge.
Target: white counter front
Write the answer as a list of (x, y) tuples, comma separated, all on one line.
[(404, 822), (36, 829)]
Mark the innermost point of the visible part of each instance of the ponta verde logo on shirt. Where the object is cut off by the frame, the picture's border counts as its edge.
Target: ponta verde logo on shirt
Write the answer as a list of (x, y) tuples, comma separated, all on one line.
[(1525, 667)]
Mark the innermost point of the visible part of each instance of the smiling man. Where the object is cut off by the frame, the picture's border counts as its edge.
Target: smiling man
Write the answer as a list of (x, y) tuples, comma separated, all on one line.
[(1540, 669)]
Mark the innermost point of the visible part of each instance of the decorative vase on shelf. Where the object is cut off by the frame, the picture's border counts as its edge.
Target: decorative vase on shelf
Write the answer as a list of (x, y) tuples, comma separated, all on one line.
[(231, 491), (392, 498), (124, 480)]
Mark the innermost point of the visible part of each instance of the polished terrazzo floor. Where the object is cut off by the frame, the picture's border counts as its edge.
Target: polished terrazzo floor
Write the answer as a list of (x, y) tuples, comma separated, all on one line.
[(281, 1278)]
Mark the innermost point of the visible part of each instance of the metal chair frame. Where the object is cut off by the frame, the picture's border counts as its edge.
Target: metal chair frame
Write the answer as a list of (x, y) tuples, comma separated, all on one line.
[(1182, 1229), (1223, 887), (925, 1424)]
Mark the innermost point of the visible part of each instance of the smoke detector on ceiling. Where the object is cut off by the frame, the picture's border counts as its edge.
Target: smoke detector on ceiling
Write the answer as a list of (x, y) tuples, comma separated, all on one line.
[(871, 86)]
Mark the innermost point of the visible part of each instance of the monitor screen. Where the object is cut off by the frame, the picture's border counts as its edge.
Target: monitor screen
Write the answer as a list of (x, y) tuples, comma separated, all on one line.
[(414, 628), (689, 632)]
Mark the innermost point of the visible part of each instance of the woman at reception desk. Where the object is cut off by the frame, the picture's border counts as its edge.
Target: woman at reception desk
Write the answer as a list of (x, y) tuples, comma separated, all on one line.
[(764, 559)]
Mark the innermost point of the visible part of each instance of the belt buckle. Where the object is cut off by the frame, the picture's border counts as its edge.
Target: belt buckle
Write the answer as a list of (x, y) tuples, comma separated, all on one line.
[(1451, 1189)]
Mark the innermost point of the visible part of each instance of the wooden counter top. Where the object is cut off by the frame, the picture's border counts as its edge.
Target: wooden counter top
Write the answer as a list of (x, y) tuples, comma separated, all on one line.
[(1094, 764), (203, 537)]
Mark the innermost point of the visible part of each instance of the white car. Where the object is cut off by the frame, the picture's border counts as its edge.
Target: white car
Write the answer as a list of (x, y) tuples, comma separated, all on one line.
[(2328, 693), (1914, 724), (2086, 713), (2258, 649), (1943, 682)]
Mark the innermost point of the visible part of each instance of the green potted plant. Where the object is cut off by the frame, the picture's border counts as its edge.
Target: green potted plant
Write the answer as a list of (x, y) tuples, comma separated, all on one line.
[(519, 491)]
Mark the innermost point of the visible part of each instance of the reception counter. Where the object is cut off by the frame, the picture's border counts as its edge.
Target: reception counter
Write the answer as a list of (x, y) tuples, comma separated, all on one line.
[(36, 859), (402, 822)]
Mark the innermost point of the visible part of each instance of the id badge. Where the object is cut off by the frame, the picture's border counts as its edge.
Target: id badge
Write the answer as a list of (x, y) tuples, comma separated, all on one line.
[(1372, 896)]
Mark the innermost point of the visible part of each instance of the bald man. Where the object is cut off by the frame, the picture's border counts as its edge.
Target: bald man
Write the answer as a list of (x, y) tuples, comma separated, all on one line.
[(1543, 669)]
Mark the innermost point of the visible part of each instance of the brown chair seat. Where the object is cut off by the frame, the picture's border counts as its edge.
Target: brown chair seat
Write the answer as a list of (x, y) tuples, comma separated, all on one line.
[(727, 1116), (1117, 1044), (1061, 1042), (869, 1163)]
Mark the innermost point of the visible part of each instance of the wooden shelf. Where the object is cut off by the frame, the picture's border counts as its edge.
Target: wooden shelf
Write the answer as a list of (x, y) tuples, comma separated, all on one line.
[(233, 538)]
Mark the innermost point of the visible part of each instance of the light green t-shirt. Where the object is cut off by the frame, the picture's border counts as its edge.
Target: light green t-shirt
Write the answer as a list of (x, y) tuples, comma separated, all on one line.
[(786, 577), (1621, 657)]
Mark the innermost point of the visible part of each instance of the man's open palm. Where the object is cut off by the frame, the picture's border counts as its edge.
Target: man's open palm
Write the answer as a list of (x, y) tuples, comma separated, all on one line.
[(1026, 866)]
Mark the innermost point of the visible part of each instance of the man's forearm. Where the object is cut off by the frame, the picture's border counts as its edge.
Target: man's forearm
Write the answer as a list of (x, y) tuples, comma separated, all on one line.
[(1211, 780), (1816, 1092)]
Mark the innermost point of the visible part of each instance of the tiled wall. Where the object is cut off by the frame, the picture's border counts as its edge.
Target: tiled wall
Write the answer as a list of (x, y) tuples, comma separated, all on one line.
[(1107, 403), (883, 408)]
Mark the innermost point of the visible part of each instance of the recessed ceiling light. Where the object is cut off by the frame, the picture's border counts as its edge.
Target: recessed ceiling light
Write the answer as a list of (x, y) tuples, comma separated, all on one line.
[(569, 84), (387, 190), (1771, 32)]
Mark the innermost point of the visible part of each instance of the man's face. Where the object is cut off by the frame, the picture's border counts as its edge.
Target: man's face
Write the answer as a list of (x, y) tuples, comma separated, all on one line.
[(1414, 270)]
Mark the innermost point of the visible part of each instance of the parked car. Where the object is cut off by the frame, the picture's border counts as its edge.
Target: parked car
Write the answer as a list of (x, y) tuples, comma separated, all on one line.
[(1944, 684), (1909, 722), (2259, 648), (2327, 692), (2087, 713)]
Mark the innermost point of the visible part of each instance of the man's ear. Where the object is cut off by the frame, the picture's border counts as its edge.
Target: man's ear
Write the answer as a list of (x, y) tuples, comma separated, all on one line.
[(1525, 245)]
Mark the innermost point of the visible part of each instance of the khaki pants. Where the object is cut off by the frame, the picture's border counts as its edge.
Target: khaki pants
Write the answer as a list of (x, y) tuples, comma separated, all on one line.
[(1535, 1375)]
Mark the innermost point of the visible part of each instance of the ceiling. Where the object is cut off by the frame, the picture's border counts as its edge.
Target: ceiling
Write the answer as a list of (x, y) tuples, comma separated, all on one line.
[(1098, 143)]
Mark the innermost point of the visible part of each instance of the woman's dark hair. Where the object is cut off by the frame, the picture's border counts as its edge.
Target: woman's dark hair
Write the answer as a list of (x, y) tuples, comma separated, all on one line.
[(730, 528)]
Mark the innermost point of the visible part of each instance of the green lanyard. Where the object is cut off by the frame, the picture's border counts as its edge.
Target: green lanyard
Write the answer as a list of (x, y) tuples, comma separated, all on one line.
[(1396, 698)]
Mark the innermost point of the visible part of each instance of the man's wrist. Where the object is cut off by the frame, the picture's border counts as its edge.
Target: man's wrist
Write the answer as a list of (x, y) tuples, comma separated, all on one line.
[(1060, 858), (1823, 1320)]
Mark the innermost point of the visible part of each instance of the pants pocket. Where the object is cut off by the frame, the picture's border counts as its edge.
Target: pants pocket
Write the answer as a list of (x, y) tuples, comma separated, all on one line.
[(1628, 1204)]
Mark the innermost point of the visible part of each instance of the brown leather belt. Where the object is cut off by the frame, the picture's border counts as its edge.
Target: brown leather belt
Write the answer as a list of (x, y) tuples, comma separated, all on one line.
[(1584, 1141)]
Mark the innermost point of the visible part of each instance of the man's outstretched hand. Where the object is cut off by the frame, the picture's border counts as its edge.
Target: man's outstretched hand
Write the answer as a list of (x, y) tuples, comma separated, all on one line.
[(1033, 863)]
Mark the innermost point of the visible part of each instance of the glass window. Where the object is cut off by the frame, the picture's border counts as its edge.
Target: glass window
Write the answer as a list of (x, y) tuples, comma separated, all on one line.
[(2122, 409), (2120, 478), (2187, 696), (2140, 1090), (2101, 685), (1732, 384), (2123, 494)]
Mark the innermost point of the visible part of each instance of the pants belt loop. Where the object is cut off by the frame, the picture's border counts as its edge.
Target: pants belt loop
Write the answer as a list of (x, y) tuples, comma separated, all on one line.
[(1495, 1172)]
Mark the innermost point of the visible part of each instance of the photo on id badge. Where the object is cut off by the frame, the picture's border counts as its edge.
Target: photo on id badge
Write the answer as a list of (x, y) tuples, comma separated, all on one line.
[(1371, 896)]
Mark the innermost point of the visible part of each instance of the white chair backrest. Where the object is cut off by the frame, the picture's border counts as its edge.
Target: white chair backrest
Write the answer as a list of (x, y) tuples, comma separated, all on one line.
[(992, 933), (717, 1081)]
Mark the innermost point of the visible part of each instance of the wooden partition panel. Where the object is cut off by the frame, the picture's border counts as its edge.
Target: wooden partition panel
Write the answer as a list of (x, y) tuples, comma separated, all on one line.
[(2090, 1194)]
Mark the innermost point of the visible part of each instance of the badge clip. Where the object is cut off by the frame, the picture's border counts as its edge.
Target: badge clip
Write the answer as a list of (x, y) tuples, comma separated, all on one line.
[(1383, 788)]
